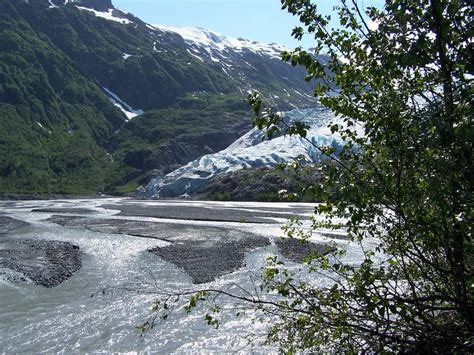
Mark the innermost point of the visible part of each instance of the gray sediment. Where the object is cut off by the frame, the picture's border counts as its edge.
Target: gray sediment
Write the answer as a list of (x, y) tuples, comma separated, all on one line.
[(71, 210), (8, 224), (199, 213), (45, 262), (203, 252), (206, 262), (297, 250)]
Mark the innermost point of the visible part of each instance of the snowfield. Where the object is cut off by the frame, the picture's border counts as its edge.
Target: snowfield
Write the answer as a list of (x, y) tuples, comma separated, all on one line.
[(215, 42), (108, 15)]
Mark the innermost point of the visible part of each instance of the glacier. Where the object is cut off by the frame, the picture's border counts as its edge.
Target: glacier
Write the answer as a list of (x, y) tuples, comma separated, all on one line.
[(252, 150)]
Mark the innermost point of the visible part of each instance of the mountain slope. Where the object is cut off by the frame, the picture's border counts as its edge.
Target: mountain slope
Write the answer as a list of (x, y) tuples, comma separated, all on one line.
[(82, 83), (121, 56), (163, 140), (54, 122), (249, 64)]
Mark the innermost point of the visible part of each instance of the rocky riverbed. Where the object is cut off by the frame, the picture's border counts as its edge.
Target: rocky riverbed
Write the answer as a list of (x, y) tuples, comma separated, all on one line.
[(55, 254), (45, 262), (298, 250), (8, 224), (209, 212), (205, 262), (204, 252)]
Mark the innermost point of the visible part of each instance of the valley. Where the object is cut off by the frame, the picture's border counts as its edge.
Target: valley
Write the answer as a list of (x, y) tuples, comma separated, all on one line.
[(94, 100), (168, 186)]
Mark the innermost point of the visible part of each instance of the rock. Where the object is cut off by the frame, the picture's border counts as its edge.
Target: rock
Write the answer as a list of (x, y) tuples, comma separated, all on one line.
[(249, 185), (204, 262), (297, 250), (46, 262), (140, 192), (8, 224)]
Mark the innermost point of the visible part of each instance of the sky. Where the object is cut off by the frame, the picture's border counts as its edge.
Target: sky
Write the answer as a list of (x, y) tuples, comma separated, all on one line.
[(257, 20)]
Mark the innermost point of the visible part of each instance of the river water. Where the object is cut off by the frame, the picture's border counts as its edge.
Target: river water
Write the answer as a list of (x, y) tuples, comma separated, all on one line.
[(67, 319)]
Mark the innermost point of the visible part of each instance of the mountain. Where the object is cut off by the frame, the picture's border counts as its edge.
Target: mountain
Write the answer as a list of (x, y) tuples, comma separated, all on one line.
[(93, 99), (251, 151), (55, 122), (249, 64)]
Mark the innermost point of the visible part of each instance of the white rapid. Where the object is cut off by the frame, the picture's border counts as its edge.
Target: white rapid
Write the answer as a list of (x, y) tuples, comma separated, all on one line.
[(34, 319)]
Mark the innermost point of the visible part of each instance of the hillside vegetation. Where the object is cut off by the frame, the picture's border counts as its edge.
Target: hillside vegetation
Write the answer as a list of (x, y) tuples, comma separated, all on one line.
[(61, 133)]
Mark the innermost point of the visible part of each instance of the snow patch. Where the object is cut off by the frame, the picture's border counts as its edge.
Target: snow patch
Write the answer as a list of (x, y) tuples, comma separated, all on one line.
[(216, 60), (122, 105), (194, 55), (211, 40), (106, 15)]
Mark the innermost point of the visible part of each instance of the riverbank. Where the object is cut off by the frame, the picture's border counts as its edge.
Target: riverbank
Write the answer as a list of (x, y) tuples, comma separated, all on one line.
[(133, 250), (204, 251), (42, 197)]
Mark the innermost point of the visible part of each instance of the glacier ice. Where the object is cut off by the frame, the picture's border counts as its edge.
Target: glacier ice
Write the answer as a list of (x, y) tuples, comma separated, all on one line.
[(252, 150)]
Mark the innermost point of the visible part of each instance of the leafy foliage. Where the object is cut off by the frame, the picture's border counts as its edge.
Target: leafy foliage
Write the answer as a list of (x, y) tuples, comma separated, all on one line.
[(405, 183), (401, 79)]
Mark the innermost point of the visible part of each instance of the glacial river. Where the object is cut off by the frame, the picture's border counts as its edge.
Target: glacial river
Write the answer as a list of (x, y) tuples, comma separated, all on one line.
[(67, 319)]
